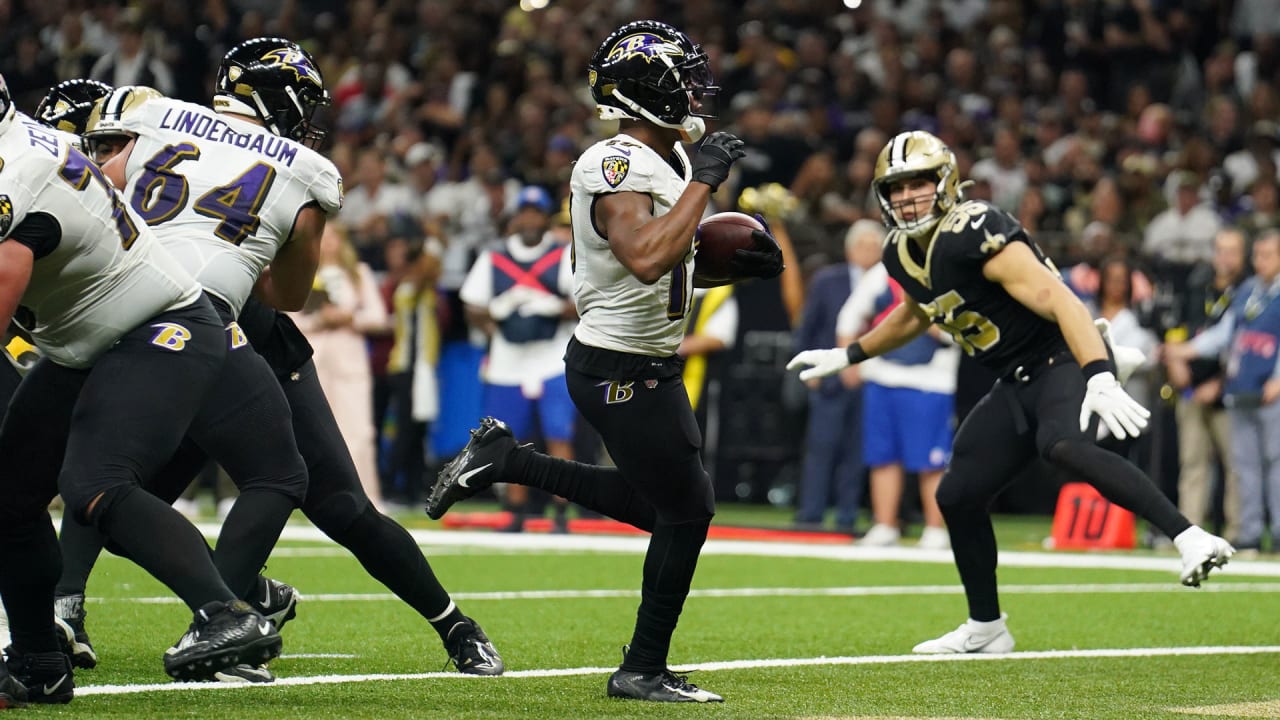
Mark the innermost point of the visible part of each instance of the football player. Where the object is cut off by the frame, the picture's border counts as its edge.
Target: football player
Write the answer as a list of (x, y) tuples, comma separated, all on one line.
[(130, 349), (636, 200), (226, 193), (970, 268), (334, 499), (67, 105)]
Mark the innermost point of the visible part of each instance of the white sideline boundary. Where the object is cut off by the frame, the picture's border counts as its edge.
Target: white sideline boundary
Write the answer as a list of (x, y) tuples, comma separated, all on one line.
[(636, 544), (90, 690)]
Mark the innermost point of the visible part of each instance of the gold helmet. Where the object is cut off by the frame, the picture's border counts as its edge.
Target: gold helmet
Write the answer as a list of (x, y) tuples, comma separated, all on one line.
[(106, 120), (911, 155)]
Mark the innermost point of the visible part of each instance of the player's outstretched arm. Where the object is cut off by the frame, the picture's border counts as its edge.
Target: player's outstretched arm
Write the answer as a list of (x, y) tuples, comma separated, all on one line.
[(904, 323), (1017, 269)]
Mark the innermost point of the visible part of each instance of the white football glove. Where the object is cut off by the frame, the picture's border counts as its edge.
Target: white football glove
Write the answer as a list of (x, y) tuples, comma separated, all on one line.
[(823, 362), (544, 304), (1128, 359), (501, 307), (1123, 416)]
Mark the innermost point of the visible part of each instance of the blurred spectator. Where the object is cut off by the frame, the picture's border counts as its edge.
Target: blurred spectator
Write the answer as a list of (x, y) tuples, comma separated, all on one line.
[(1115, 303), (1264, 208), (415, 401), (908, 404), (1260, 153), (1182, 235), (1005, 170), (1249, 334), (374, 199), (1204, 430), (519, 294), (343, 307), (131, 63), (833, 472)]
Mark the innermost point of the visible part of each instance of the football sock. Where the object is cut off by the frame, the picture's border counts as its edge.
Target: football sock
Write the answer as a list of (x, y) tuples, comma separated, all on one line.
[(668, 572), (974, 549), (29, 569), (248, 535), (390, 555), (165, 544), (1120, 482), (596, 488), (81, 546)]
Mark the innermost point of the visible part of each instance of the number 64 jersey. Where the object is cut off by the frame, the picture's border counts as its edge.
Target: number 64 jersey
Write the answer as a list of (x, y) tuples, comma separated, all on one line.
[(221, 193), (98, 272), (947, 281)]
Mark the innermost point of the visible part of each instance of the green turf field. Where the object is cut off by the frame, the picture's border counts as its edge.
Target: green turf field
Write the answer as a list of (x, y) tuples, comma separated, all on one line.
[(1092, 643)]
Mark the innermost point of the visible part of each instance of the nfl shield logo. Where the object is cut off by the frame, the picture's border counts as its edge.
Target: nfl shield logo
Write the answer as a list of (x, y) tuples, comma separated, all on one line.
[(615, 169), (651, 384)]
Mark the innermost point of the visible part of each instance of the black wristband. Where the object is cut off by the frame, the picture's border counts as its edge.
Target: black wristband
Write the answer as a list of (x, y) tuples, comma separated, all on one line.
[(1096, 367), (855, 353)]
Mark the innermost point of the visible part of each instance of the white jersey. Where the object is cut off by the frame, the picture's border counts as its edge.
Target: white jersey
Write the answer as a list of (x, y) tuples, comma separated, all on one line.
[(617, 311), (221, 193), (99, 271)]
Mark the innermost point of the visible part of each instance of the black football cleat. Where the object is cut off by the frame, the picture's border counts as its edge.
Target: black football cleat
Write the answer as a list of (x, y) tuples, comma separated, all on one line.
[(69, 614), (664, 686), (478, 466), (277, 601), (470, 650), (47, 676), (222, 635), (12, 693)]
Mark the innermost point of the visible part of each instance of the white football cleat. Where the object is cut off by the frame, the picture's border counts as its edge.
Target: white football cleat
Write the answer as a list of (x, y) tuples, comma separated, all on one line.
[(1201, 552), (971, 637), (881, 536), (934, 538)]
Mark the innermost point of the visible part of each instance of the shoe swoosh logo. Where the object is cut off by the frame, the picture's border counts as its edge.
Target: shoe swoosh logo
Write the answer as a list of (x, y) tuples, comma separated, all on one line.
[(970, 645), (978, 223), (51, 689), (264, 627), (464, 477)]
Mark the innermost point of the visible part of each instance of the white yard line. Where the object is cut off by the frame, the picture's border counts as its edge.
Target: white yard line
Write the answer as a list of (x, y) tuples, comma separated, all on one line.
[(437, 540), (747, 592), (87, 690)]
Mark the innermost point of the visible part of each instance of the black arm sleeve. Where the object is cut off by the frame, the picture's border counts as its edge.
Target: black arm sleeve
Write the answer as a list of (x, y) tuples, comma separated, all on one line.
[(40, 232)]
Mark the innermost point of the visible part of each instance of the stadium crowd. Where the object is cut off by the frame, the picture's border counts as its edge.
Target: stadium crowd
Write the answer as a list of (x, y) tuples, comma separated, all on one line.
[(1130, 138)]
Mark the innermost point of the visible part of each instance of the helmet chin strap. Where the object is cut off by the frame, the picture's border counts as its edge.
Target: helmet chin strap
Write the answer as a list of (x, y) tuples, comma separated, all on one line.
[(691, 128)]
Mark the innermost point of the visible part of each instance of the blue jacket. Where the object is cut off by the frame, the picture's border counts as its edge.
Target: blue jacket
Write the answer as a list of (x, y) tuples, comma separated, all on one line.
[(828, 290)]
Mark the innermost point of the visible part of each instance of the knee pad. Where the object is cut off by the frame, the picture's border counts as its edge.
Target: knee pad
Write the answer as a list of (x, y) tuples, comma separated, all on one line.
[(336, 513), (954, 493)]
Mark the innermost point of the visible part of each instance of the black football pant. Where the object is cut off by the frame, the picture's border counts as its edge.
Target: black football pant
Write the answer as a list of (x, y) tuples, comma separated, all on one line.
[(336, 503), (95, 435), (659, 485), (247, 428), (1005, 431)]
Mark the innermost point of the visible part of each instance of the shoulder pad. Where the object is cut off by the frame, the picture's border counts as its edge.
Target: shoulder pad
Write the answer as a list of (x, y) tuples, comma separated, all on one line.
[(977, 230), (616, 165)]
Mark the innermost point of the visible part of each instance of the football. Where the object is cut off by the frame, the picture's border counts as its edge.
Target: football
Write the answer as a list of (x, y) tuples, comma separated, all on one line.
[(718, 238)]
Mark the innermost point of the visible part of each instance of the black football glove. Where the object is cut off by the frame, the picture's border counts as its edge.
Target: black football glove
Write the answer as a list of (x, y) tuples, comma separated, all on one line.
[(715, 156), (764, 261)]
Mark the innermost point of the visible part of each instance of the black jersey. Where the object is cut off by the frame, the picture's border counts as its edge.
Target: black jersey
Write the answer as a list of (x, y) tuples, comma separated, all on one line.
[(948, 283)]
